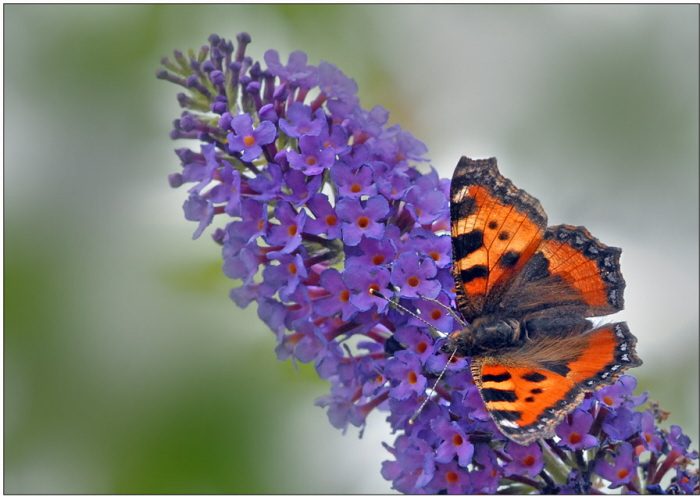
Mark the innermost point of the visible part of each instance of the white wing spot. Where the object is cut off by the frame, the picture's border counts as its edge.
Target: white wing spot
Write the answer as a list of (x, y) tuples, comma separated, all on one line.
[(508, 423)]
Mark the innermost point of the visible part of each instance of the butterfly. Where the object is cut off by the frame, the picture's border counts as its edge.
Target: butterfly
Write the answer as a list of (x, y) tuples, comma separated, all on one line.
[(526, 292)]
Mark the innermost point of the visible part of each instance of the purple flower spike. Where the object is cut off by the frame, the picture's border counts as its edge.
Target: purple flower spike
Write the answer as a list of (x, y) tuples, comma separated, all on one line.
[(320, 209), (248, 140)]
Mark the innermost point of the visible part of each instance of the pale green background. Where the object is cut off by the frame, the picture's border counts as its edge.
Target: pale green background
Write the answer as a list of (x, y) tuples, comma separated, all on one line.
[(126, 366)]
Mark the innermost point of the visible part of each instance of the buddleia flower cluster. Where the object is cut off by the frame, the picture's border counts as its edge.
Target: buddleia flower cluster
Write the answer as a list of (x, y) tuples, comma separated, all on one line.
[(321, 208)]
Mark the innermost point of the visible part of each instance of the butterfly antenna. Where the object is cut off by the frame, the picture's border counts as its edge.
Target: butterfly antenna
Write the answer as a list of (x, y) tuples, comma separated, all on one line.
[(434, 331), (454, 314), (427, 396)]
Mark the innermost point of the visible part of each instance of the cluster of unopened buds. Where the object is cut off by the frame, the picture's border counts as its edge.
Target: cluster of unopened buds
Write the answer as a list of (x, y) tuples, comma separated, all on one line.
[(322, 207)]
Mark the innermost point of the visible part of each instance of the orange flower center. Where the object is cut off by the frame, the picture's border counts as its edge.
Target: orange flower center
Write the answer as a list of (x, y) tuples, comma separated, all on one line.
[(574, 438), (436, 314), (292, 230), (412, 378), (292, 269), (434, 255), (421, 347), (457, 440), (608, 401), (529, 461), (345, 296), (378, 259), (331, 220), (413, 281), (310, 160), (452, 477), (355, 188), (363, 222), (248, 141), (622, 473)]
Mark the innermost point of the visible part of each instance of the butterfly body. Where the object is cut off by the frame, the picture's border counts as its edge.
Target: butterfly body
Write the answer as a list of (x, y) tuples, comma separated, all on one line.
[(526, 292)]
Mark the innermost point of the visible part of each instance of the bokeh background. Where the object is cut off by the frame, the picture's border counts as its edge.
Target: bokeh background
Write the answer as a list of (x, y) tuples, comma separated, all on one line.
[(126, 367)]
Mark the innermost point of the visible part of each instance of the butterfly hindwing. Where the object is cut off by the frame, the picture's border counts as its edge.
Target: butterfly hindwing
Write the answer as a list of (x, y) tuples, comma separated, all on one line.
[(496, 228), (529, 390)]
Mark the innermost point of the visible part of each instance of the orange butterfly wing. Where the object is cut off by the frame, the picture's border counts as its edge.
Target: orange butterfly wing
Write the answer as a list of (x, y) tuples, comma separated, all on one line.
[(586, 265), (496, 228), (529, 390)]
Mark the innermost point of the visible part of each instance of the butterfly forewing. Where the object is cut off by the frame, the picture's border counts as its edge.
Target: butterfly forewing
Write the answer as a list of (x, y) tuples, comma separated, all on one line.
[(496, 227)]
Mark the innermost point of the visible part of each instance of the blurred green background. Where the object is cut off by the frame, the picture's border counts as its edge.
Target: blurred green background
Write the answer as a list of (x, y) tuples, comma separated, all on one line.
[(126, 367)]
